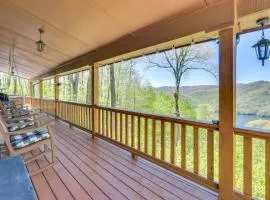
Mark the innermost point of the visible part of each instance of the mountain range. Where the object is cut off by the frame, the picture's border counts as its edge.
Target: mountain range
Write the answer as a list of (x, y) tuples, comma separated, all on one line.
[(251, 98)]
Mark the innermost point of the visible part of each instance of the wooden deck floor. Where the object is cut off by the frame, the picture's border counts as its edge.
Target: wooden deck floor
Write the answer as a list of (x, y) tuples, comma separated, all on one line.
[(95, 169)]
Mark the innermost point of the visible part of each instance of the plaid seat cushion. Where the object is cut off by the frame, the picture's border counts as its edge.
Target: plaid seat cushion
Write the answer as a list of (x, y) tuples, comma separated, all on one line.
[(19, 127), (23, 140)]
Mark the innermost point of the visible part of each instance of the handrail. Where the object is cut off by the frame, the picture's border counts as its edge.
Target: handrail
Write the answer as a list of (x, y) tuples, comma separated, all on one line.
[(252, 132), (186, 121), (75, 103)]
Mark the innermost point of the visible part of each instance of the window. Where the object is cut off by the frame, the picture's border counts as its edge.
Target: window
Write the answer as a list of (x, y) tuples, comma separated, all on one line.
[(48, 89), (76, 87), (178, 82), (36, 90), (14, 85), (253, 85)]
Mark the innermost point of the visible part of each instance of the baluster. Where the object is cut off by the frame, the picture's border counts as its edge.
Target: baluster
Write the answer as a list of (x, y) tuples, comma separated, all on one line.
[(210, 154), (116, 128), (146, 135), (132, 131), (139, 133), (248, 166), (107, 123), (172, 143), (196, 149), (121, 127), (183, 146), (99, 117), (111, 124), (154, 137), (126, 129), (162, 143), (102, 124)]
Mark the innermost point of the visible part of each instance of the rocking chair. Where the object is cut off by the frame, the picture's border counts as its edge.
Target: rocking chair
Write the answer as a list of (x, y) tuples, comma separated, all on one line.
[(27, 139)]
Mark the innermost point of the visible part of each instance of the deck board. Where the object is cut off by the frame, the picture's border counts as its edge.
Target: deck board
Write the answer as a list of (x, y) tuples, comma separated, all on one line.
[(95, 169)]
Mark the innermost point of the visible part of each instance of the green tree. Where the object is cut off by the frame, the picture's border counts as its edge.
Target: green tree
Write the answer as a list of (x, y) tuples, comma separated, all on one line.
[(179, 62)]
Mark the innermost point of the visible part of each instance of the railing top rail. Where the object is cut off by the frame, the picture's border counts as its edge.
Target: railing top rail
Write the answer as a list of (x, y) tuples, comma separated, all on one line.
[(190, 122), (254, 133), (47, 99), (75, 103)]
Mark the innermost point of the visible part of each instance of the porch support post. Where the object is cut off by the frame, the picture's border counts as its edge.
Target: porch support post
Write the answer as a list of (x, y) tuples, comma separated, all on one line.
[(227, 83), (40, 93), (56, 94), (95, 99)]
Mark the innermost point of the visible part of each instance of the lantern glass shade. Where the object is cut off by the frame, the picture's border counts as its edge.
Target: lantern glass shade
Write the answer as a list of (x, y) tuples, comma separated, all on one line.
[(40, 45), (262, 49)]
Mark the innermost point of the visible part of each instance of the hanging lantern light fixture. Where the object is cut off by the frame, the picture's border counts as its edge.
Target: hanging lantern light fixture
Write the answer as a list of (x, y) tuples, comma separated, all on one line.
[(262, 47), (40, 44)]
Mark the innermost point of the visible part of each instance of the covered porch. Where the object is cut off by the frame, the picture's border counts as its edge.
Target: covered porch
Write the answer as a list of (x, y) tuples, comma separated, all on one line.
[(111, 151)]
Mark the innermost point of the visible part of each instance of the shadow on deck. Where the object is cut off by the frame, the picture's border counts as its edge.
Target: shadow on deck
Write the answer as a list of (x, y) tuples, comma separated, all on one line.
[(95, 169)]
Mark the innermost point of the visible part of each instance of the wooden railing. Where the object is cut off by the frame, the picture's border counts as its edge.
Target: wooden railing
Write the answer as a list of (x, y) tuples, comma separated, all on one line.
[(256, 164), (187, 147), (167, 141), (27, 100), (75, 113), (35, 102), (48, 105)]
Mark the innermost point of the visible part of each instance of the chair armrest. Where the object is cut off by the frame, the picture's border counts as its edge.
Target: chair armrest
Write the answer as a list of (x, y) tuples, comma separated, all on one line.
[(45, 125)]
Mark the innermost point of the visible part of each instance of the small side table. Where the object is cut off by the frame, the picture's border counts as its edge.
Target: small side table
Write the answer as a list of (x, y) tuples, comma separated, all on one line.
[(15, 181)]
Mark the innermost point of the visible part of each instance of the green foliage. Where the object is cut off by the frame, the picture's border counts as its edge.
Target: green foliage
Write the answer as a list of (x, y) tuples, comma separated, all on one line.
[(14, 85), (204, 111), (48, 89), (75, 87)]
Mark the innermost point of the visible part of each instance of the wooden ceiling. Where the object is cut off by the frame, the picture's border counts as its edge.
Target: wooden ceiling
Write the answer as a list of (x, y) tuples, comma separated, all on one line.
[(74, 27)]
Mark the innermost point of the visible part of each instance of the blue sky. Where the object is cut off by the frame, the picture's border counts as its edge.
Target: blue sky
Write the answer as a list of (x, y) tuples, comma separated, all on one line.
[(249, 69)]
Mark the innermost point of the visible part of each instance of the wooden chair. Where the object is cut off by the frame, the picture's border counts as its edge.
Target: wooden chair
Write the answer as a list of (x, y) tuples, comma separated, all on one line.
[(11, 112), (25, 140)]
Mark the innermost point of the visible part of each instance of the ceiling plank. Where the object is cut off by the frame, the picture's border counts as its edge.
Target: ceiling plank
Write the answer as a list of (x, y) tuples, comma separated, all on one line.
[(29, 44), (246, 7), (218, 15), (32, 60), (22, 73), (28, 25)]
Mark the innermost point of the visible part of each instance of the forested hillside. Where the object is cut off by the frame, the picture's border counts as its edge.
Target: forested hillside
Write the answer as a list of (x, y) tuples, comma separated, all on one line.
[(252, 98)]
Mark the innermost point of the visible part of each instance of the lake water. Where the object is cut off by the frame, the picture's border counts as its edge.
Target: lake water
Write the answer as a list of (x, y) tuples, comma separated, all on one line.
[(242, 120)]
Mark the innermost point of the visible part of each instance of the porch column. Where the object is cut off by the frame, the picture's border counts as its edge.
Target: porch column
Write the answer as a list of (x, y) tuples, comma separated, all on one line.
[(227, 83), (56, 94), (95, 99)]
